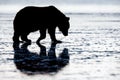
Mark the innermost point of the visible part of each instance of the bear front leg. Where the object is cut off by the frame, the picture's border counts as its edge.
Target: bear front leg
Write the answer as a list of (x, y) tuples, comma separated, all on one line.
[(42, 35), (52, 36)]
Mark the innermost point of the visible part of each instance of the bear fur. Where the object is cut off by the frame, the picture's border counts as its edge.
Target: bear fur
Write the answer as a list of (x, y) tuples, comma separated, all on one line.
[(31, 18)]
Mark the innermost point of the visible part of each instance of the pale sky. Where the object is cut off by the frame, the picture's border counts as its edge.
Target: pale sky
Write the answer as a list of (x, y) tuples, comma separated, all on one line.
[(107, 2), (64, 5)]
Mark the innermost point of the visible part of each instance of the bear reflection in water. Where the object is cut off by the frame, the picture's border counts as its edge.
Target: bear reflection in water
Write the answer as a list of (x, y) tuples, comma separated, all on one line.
[(27, 61)]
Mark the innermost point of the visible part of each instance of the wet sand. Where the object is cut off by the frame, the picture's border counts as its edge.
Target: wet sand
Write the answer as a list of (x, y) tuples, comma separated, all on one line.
[(92, 49)]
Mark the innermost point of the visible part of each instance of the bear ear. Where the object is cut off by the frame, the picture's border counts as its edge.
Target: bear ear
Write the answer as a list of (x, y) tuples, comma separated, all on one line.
[(68, 18)]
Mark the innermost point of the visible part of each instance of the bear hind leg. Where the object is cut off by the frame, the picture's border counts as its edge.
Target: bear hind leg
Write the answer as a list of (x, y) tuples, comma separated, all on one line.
[(42, 35), (16, 37), (24, 37)]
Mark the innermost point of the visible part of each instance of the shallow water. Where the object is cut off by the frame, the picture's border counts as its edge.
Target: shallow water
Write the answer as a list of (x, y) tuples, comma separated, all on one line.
[(93, 48)]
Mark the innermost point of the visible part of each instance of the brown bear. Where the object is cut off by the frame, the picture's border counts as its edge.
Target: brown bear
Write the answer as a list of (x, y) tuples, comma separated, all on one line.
[(31, 18)]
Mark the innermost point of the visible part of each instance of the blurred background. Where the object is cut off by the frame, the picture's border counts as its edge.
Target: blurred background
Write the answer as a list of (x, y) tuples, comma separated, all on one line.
[(64, 5)]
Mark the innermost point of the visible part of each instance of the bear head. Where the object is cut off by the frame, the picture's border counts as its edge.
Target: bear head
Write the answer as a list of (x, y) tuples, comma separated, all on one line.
[(64, 25)]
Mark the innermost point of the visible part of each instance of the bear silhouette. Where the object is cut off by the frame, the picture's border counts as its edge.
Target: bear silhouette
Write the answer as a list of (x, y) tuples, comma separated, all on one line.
[(32, 18)]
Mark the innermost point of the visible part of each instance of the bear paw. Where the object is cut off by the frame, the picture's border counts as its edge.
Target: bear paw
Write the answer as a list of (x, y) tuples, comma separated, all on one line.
[(57, 41)]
